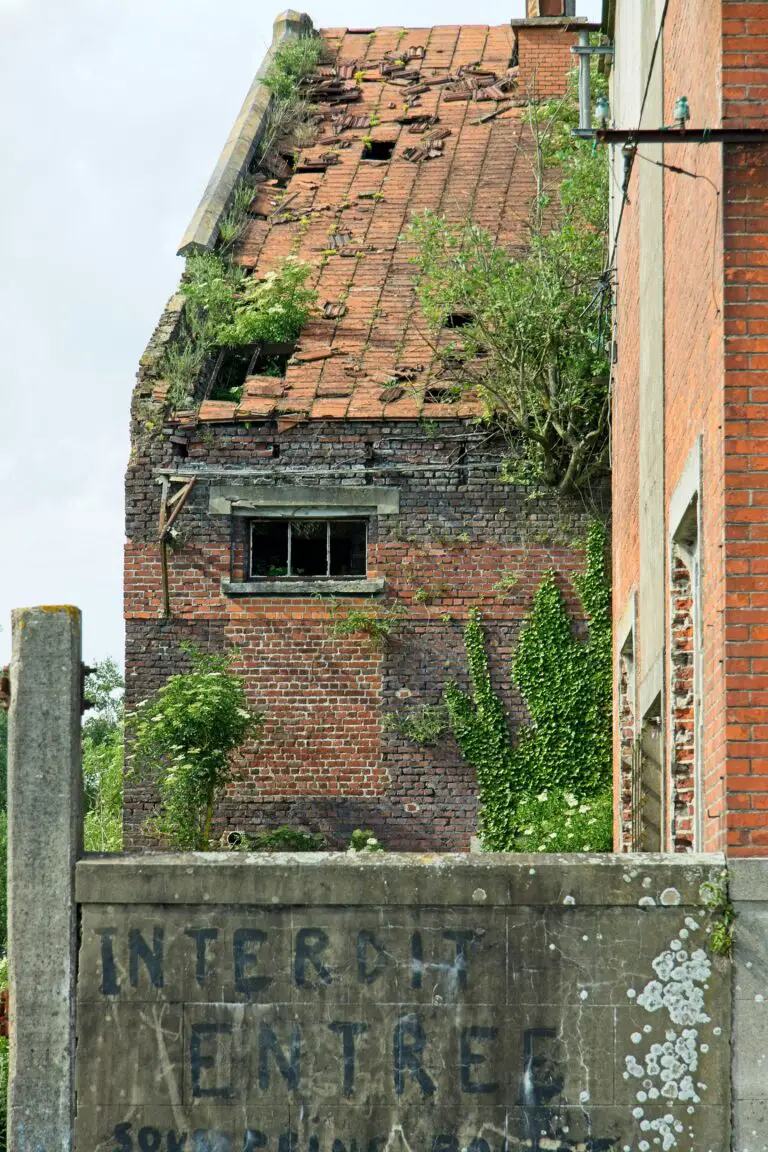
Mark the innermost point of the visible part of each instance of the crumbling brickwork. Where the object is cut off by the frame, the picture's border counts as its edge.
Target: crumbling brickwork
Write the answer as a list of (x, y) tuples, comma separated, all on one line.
[(626, 748), (682, 655)]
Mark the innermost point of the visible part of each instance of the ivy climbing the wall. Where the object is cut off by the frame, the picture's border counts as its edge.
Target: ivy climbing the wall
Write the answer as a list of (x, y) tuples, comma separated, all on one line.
[(550, 789)]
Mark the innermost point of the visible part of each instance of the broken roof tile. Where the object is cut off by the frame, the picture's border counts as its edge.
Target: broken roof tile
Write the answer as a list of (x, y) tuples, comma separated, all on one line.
[(437, 93)]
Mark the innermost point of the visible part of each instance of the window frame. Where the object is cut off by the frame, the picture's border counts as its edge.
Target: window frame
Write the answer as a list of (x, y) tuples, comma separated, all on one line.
[(289, 521)]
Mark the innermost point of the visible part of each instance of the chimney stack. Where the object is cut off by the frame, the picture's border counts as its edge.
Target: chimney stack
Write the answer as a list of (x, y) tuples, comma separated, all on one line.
[(536, 9)]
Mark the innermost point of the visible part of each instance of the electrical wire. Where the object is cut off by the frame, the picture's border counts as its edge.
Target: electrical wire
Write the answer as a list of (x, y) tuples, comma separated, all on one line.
[(610, 267)]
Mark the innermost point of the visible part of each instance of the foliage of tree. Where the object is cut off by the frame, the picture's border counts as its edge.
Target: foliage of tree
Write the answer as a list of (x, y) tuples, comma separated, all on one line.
[(102, 759), (533, 346), (562, 759), (183, 738), (3, 759)]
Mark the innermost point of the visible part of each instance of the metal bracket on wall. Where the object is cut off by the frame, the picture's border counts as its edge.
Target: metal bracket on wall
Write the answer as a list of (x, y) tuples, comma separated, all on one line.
[(170, 507)]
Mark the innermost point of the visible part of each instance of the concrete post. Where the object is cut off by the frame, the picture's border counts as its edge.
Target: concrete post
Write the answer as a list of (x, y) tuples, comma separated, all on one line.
[(44, 841)]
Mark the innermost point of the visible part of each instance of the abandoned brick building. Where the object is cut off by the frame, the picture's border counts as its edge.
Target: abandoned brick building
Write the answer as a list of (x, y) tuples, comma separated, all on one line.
[(690, 477), (350, 481)]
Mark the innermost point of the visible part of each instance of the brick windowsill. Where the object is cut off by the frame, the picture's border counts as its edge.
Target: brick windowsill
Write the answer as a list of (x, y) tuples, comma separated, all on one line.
[(303, 587)]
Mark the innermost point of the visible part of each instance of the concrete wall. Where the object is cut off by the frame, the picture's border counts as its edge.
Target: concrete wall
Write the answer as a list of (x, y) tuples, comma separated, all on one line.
[(438, 1003), (748, 886)]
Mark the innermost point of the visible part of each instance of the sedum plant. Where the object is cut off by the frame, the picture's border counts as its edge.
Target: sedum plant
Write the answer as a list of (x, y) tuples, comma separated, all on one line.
[(183, 740)]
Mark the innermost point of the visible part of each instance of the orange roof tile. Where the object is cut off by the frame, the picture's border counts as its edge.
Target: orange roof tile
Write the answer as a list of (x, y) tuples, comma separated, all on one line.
[(349, 219)]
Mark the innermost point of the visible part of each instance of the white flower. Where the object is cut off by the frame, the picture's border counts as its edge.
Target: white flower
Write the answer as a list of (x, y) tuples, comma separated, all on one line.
[(583, 808), (542, 796), (571, 800)]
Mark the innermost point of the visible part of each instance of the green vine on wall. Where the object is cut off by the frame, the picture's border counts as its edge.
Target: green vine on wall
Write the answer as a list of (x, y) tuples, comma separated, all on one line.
[(556, 776)]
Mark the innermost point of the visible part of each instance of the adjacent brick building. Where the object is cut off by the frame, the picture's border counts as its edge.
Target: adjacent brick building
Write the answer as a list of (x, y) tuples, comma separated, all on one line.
[(690, 456), (352, 482)]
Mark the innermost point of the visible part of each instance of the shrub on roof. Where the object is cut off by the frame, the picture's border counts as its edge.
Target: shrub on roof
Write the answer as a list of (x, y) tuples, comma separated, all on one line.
[(534, 332), (272, 310)]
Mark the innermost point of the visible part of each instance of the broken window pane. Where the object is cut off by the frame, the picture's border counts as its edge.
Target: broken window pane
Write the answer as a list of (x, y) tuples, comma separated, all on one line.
[(309, 548), (348, 538), (269, 548)]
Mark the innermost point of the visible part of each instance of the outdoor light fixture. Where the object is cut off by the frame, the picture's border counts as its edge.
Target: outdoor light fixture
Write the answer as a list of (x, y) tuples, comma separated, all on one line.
[(602, 111), (682, 112)]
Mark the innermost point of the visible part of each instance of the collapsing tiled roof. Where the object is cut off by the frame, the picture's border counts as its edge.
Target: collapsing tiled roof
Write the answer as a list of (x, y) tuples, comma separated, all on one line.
[(441, 108)]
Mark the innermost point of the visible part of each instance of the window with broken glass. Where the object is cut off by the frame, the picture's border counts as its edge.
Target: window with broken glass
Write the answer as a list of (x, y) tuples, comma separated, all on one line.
[(308, 549)]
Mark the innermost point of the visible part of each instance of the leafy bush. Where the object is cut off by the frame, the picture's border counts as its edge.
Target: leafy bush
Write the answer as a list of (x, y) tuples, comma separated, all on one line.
[(285, 839), (3, 881), (183, 740), (425, 725), (102, 759), (566, 684), (272, 310), (363, 841), (103, 774), (5, 1061)]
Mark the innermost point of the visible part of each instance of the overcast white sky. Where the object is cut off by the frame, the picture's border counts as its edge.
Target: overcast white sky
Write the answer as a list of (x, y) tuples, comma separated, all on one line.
[(113, 115)]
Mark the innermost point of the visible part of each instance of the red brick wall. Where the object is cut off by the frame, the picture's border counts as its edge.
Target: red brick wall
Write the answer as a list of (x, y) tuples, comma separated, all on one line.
[(693, 352), (745, 91), (746, 462), (545, 59), (716, 387), (325, 759)]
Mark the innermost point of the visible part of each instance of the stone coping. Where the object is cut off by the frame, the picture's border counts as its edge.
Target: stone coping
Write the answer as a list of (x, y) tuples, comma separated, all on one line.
[(341, 879)]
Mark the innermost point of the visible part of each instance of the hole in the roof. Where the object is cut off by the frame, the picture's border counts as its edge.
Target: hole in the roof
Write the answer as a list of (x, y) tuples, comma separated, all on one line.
[(234, 365), (439, 396), (458, 319), (378, 149)]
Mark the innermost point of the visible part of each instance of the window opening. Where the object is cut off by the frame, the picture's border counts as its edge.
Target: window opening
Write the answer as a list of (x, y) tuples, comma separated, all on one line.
[(378, 149), (308, 549), (650, 759)]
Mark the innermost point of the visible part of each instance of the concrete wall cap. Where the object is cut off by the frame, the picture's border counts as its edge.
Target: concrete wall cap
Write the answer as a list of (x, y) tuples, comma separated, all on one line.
[(203, 229), (339, 878)]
